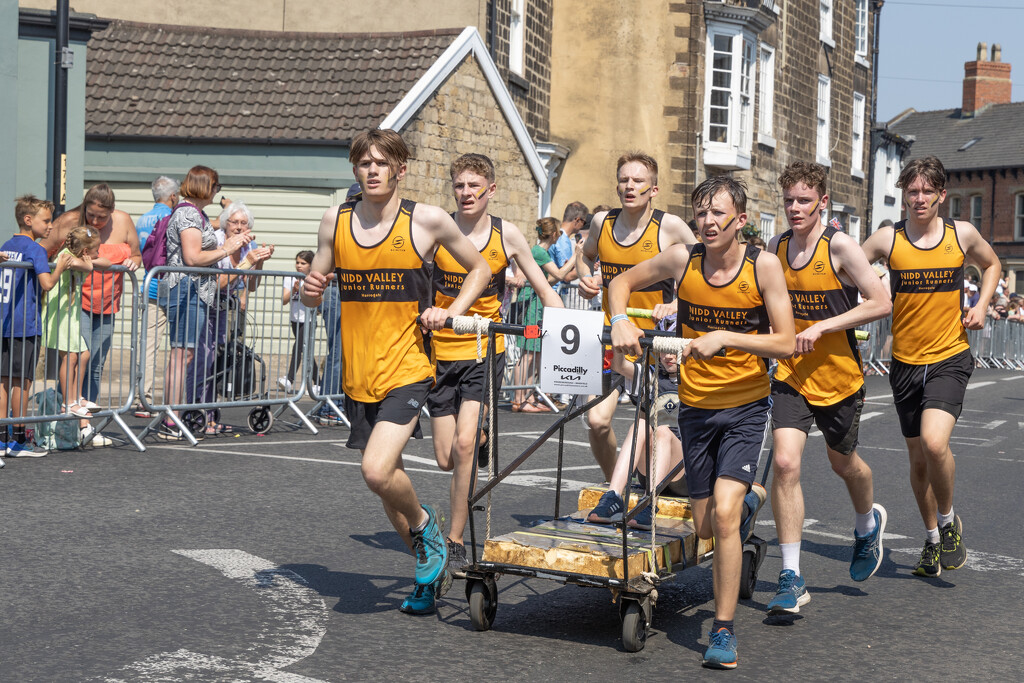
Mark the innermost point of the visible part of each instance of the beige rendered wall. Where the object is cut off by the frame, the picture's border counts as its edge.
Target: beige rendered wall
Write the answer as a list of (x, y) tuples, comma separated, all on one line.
[(610, 67), (464, 117), (331, 16)]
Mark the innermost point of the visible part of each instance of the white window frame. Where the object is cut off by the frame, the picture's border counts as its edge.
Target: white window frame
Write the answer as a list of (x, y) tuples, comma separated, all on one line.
[(860, 32), (955, 207), (854, 229), (766, 97), (892, 170), (975, 219), (826, 23), (736, 84), (824, 117), (857, 136), (767, 225), (517, 36), (1018, 216)]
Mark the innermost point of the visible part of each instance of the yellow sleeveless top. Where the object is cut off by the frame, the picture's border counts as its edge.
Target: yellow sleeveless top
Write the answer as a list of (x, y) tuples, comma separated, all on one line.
[(927, 286), (617, 258), (382, 288), (737, 378), (447, 280), (832, 371)]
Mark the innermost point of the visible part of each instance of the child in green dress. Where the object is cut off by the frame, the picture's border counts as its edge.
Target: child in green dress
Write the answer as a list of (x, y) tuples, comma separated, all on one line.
[(64, 314)]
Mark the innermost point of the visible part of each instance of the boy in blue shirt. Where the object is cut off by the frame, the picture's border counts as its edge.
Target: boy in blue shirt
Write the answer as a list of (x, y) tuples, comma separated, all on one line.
[(20, 303)]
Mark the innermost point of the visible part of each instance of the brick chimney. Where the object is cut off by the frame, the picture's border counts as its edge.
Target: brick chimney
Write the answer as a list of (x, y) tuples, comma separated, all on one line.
[(985, 82)]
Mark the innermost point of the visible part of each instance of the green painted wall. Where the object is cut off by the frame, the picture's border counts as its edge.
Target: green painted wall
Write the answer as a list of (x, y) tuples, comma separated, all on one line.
[(8, 113), (35, 117), (238, 164)]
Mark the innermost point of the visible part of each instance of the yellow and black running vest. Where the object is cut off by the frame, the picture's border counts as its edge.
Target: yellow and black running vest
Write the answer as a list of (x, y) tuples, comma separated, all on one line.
[(832, 371), (738, 377), (382, 289), (617, 258), (448, 279), (927, 286)]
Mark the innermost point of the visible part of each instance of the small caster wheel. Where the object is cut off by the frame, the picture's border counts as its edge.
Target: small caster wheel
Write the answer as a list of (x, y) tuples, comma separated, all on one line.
[(260, 419), (483, 603), (634, 627), (216, 415), (195, 422), (748, 574)]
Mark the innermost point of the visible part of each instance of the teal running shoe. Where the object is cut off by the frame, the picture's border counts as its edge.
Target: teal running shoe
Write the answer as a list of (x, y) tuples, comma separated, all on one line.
[(721, 653), (791, 594), (430, 549), (867, 550)]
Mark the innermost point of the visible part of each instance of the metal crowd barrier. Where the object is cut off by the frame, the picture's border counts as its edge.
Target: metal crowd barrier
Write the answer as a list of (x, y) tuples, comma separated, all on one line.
[(999, 344), (50, 384), (876, 351), (240, 351), (325, 346)]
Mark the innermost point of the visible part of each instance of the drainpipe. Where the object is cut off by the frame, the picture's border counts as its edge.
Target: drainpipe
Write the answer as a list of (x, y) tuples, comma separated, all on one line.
[(62, 62)]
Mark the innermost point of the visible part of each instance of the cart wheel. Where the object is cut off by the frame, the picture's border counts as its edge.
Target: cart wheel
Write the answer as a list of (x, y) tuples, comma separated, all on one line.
[(483, 603), (634, 627), (216, 415), (260, 419), (748, 574), (195, 422)]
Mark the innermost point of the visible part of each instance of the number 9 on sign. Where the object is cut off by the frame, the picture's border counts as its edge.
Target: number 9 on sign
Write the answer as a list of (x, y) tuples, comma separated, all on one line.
[(571, 351)]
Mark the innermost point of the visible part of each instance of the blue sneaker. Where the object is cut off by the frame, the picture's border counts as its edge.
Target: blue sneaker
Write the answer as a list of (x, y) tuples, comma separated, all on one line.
[(791, 594), (721, 653), (609, 509), (23, 450), (752, 503), (421, 601), (430, 549), (644, 519), (867, 550)]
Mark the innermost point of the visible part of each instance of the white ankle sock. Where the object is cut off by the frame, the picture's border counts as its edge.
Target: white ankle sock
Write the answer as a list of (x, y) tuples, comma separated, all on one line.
[(791, 556), (865, 523), (945, 519), (933, 535), (422, 525)]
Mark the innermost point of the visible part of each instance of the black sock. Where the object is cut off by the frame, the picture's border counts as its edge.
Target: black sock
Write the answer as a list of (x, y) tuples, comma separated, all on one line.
[(19, 433), (727, 625)]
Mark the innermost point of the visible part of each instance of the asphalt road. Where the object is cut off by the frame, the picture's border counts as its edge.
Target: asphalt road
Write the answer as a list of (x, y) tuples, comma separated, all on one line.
[(266, 559)]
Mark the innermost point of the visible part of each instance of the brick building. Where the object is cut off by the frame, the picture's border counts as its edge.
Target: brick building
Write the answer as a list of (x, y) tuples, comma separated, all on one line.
[(720, 86), (981, 144)]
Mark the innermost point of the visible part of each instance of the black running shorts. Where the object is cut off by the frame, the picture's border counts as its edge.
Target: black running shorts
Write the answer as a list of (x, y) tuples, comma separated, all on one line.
[(724, 442), (401, 406), (916, 388), (458, 381), (839, 423)]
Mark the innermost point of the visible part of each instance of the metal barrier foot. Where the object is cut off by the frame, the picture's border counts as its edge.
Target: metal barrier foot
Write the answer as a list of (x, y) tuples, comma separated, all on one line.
[(302, 416)]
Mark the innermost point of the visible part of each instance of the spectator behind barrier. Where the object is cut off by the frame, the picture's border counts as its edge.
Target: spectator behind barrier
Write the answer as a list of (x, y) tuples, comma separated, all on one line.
[(291, 291), (192, 242), (165, 196)]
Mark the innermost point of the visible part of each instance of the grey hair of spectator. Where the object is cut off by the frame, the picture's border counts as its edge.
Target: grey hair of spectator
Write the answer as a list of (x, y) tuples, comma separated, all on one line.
[(164, 187), (231, 210), (573, 211)]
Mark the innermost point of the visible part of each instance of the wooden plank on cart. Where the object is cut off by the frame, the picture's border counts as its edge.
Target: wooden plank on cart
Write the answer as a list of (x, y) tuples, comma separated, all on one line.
[(668, 506), (572, 545)]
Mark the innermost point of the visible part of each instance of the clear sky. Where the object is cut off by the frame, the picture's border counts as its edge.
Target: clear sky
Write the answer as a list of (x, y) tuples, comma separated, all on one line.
[(924, 46)]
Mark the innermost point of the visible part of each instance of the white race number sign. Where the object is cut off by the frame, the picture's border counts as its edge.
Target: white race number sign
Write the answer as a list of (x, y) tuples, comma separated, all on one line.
[(571, 351)]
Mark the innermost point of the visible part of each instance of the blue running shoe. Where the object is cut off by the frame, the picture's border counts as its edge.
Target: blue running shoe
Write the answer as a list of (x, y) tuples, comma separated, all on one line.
[(867, 550), (421, 601), (23, 450), (644, 519), (752, 503), (609, 509), (721, 653), (791, 594), (430, 549)]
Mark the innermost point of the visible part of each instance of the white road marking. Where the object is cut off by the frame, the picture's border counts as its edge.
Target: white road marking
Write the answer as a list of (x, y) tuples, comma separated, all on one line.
[(298, 619), (553, 441), (978, 385), (1010, 379), (973, 424), (548, 483), (980, 561), (881, 398)]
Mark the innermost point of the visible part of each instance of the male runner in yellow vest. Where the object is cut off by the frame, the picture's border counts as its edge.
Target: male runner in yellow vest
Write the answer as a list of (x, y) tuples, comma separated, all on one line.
[(932, 360), (454, 402), (620, 239), (731, 296), (376, 249), (822, 383)]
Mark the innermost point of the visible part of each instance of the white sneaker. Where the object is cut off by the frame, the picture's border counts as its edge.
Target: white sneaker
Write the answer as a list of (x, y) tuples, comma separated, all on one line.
[(284, 383), (89, 405), (99, 440), (316, 389)]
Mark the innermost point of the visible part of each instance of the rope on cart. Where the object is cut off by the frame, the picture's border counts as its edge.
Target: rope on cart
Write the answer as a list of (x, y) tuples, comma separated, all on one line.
[(478, 325)]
